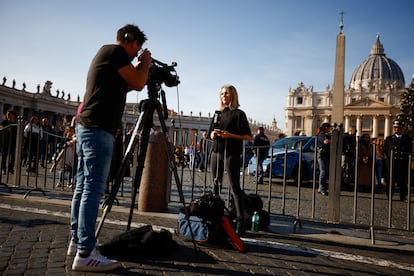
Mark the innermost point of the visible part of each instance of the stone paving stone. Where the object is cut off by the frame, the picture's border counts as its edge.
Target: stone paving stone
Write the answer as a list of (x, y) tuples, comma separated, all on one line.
[(41, 235)]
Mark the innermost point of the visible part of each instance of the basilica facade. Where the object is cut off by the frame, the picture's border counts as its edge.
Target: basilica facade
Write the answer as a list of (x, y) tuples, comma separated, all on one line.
[(371, 100)]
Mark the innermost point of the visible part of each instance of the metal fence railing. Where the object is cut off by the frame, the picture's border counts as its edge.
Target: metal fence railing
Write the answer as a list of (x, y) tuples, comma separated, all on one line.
[(294, 197)]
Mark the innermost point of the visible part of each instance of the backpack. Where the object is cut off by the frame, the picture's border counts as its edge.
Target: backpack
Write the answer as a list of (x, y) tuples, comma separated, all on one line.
[(204, 215), (253, 203)]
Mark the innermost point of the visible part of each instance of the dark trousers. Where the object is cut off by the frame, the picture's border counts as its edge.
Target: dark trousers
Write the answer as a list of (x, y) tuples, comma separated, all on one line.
[(259, 174), (232, 165), (399, 177), (8, 154)]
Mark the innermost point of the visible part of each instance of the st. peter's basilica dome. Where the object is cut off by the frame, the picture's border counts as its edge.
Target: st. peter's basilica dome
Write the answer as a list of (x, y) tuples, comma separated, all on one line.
[(377, 72)]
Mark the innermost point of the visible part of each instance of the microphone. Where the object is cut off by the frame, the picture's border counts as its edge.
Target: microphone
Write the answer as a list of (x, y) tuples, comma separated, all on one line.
[(162, 64), (217, 119)]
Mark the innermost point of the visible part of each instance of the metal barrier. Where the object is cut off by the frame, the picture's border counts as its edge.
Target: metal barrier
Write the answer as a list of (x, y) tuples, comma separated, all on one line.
[(282, 196), (32, 161)]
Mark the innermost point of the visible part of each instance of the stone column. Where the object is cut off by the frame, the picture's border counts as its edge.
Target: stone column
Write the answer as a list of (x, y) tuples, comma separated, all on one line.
[(347, 123), (358, 126), (387, 126), (374, 126), (289, 125), (308, 128)]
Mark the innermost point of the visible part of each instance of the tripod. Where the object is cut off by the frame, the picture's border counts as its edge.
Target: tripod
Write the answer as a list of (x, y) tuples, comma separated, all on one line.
[(141, 132)]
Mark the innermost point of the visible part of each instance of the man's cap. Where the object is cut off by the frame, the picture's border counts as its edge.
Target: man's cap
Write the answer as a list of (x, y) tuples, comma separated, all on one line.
[(260, 128), (397, 124), (325, 125)]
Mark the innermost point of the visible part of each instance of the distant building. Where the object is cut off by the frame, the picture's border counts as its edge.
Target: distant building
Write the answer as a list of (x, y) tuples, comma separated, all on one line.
[(183, 129), (371, 101)]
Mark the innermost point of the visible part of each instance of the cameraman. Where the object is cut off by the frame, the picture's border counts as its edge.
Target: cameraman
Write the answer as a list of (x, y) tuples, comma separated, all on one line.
[(111, 75), (228, 134)]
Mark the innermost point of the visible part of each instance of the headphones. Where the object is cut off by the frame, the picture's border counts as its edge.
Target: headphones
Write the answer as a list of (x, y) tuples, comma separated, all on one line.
[(128, 37)]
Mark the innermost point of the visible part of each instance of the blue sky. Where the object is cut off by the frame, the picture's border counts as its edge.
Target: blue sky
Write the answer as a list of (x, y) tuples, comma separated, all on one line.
[(263, 47)]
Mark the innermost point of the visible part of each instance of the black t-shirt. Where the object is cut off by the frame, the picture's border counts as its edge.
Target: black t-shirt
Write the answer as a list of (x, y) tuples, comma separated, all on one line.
[(106, 90), (233, 121)]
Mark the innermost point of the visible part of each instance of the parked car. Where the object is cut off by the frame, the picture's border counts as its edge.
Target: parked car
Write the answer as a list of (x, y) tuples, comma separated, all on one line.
[(289, 147)]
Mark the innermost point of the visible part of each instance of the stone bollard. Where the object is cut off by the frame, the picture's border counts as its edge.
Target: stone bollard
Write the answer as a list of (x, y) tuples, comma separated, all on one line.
[(155, 176)]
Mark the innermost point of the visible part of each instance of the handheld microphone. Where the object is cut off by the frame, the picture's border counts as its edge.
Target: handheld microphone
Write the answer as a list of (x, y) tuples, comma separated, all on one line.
[(217, 119)]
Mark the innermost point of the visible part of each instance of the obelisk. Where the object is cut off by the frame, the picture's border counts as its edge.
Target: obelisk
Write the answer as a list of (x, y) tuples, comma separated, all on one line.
[(335, 169), (339, 77)]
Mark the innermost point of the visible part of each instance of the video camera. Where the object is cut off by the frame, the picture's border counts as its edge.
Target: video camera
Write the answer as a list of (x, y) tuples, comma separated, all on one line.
[(160, 72)]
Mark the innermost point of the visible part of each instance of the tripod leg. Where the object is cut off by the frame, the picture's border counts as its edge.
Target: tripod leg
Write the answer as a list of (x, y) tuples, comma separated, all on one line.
[(121, 172), (142, 153), (170, 149), (217, 168)]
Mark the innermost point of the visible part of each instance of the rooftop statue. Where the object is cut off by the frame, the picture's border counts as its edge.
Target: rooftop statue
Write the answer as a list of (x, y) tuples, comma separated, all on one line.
[(47, 87)]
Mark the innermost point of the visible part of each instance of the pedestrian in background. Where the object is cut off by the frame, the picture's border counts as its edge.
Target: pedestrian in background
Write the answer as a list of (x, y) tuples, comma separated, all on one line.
[(45, 154), (365, 163), (8, 147), (261, 147), (65, 162), (349, 157), (398, 146), (33, 133), (323, 155), (379, 155), (202, 151)]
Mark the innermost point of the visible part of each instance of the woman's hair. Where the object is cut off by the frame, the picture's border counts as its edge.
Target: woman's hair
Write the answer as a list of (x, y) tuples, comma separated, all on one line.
[(33, 118), (234, 97), (362, 139)]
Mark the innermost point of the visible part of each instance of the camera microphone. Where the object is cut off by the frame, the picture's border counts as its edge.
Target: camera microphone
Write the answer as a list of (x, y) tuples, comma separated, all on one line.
[(158, 62), (173, 64)]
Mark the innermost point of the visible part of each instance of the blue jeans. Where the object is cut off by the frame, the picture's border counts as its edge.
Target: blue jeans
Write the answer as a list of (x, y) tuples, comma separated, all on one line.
[(63, 172), (94, 148), (378, 170), (323, 162), (202, 163)]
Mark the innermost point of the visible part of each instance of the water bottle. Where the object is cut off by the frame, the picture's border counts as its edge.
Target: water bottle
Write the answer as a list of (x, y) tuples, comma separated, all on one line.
[(255, 222)]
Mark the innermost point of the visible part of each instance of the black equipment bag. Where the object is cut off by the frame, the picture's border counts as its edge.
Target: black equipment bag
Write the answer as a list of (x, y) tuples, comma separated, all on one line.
[(142, 242)]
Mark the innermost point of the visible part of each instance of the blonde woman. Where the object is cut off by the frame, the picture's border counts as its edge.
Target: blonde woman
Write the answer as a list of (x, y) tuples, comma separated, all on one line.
[(228, 130)]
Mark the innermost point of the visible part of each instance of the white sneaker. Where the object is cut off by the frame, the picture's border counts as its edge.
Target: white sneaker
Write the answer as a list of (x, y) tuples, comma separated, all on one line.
[(95, 262), (72, 248)]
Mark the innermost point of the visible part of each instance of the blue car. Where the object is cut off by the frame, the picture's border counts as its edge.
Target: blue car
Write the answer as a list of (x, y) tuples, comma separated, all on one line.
[(289, 147)]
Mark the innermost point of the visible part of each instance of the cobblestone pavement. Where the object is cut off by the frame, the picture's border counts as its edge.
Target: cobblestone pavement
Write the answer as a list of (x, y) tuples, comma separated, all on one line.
[(34, 238)]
